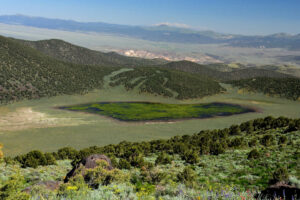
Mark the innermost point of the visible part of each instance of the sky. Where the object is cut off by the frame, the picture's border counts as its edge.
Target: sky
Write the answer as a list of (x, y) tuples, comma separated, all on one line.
[(250, 17)]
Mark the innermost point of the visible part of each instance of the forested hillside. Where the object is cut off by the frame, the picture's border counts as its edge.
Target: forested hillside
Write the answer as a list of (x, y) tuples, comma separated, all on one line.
[(42, 71), (67, 52), (25, 73), (168, 83), (210, 71), (280, 87)]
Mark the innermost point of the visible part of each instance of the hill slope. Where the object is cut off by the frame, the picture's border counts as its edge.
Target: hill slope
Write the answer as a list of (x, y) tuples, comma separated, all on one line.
[(170, 83), (207, 70), (25, 73), (67, 52), (282, 87)]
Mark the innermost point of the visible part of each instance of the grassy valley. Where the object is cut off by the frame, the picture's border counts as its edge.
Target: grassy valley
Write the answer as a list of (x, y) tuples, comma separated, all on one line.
[(148, 153)]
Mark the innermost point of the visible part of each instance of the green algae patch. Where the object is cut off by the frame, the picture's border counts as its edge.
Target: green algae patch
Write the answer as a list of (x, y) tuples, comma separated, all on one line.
[(148, 111)]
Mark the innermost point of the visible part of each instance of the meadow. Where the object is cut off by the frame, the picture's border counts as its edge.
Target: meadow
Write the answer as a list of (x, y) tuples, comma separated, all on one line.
[(49, 129), (148, 111)]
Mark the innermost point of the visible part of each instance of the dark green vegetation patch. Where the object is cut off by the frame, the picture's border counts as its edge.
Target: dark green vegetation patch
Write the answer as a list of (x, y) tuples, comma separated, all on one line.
[(282, 87), (146, 111), (169, 83)]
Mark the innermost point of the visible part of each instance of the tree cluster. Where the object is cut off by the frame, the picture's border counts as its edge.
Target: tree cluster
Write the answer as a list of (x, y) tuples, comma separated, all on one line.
[(188, 147)]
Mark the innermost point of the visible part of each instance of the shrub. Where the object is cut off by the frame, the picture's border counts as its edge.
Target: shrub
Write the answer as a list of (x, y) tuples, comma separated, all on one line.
[(190, 157), (179, 148), (12, 190), (114, 161), (144, 189), (124, 164), (1, 153), (282, 140), (50, 159), (280, 174), (237, 142), (247, 126), (216, 149), (254, 154), (136, 161), (32, 159), (74, 187), (163, 158), (67, 153), (100, 175), (267, 140), (252, 142), (153, 176), (187, 176), (234, 130)]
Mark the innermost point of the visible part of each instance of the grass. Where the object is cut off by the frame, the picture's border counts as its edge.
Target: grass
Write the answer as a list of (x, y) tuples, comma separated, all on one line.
[(88, 129), (231, 174), (147, 111), (226, 176)]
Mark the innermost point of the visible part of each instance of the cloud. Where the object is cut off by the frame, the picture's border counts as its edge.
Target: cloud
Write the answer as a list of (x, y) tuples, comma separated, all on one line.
[(179, 25)]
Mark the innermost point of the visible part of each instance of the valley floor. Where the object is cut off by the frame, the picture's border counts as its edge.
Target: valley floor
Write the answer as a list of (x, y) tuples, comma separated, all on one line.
[(35, 124)]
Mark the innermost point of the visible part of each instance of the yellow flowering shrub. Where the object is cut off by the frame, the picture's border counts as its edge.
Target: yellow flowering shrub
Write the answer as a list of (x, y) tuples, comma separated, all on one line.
[(1, 153), (100, 175)]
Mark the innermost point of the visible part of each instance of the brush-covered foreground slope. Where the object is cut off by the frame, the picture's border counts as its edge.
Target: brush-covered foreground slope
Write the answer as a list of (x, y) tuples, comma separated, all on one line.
[(231, 163), (67, 52), (282, 87), (169, 83), (25, 73)]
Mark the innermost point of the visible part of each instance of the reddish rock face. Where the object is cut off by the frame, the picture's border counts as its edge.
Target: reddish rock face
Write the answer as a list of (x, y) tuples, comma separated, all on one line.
[(89, 162)]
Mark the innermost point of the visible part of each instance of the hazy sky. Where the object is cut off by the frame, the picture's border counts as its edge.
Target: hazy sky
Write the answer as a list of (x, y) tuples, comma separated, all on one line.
[(228, 16)]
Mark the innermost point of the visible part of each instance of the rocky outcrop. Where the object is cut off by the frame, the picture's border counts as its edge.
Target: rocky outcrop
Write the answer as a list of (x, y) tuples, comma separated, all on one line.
[(88, 163), (280, 190)]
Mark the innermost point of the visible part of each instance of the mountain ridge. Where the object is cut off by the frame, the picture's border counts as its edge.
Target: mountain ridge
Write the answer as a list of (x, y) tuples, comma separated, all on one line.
[(68, 52), (160, 34)]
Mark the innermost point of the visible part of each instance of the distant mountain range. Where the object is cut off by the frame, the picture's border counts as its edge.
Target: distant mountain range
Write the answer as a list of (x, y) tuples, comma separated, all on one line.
[(161, 33)]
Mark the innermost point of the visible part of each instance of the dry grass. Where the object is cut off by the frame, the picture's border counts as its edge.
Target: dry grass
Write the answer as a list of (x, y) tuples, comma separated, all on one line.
[(26, 118)]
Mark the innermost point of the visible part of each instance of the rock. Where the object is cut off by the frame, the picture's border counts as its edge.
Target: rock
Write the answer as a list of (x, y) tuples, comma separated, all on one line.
[(280, 190), (49, 185), (88, 163)]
